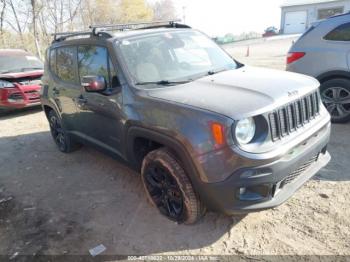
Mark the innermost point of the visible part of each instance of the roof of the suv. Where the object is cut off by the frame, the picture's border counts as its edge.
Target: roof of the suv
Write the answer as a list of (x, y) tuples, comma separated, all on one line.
[(131, 33), (319, 30), (334, 21), (114, 36), (118, 31)]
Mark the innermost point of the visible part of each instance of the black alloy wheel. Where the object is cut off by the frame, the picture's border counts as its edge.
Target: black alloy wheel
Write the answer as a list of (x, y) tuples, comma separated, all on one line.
[(164, 191), (57, 132), (169, 188), (62, 139)]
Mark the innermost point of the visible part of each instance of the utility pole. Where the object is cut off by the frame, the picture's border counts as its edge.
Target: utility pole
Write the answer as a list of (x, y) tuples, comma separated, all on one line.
[(184, 14)]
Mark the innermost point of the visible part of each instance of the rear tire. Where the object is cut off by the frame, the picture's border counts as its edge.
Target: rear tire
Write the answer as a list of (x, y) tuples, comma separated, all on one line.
[(169, 189), (335, 94), (63, 140)]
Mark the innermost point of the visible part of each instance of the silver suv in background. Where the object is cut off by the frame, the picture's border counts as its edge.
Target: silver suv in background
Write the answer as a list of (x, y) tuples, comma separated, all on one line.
[(324, 53)]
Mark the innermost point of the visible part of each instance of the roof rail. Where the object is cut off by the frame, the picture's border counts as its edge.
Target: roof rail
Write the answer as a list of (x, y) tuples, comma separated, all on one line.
[(137, 26), (102, 30), (64, 35)]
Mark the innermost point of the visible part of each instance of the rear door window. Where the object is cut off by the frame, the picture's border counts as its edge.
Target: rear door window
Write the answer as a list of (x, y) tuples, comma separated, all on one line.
[(341, 33), (65, 64)]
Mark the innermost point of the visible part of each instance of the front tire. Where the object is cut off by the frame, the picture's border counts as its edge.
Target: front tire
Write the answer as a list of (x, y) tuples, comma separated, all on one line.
[(63, 140), (335, 94), (169, 189)]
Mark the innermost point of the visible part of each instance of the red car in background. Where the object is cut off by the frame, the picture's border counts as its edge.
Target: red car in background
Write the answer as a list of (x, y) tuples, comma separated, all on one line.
[(20, 79)]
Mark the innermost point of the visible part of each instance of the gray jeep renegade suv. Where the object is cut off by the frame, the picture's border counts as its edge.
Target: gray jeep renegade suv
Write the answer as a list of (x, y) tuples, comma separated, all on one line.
[(206, 132)]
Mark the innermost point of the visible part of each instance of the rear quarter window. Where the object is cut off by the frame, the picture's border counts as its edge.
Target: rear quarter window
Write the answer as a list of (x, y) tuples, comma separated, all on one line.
[(52, 60), (341, 33)]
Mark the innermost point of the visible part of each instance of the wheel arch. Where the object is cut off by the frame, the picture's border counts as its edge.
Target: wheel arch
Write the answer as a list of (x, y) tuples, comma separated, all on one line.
[(332, 75), (176, 147), (47, 110), (48, 106)]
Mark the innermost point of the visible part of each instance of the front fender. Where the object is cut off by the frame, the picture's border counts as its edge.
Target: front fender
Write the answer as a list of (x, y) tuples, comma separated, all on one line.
[(192, 170), (180, 148)]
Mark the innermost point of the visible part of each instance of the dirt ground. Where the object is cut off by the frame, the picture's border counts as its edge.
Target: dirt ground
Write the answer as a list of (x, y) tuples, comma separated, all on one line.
[(52, 203)]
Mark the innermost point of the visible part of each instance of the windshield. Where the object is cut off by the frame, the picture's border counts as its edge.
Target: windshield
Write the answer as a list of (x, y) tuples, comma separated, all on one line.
[(173, 57), (16, 63)]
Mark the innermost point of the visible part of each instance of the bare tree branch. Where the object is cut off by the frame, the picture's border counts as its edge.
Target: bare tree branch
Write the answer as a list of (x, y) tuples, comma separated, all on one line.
[(2, 17), (19, 28)]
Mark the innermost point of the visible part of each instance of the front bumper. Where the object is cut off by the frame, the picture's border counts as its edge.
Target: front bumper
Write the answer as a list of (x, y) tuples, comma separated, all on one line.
[(19, 97), (278, 180)]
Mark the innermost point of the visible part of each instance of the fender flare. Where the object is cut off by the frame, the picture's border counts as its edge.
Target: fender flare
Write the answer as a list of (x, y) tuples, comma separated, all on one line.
[(203, 191), (170, 142), (48, 103)]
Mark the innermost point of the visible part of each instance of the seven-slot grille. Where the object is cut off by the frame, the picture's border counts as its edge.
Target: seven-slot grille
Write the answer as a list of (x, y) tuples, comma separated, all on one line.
[(291, 117)]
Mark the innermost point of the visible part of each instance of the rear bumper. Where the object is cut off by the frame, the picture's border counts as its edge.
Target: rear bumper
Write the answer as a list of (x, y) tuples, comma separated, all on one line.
[(276, 181)]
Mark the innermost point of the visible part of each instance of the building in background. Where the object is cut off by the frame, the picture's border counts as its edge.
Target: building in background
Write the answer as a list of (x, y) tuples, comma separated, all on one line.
[(298, 15)]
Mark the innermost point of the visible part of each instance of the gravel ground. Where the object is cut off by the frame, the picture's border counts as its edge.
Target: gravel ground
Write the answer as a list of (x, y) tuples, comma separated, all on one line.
[(52, 203)]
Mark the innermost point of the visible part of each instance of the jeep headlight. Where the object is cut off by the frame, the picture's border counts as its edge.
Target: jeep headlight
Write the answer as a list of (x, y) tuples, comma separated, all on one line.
[(245, 130)]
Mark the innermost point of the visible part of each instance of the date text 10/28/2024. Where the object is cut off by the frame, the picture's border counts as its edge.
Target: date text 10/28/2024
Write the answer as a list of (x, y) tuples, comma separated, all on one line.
[(173, 258)]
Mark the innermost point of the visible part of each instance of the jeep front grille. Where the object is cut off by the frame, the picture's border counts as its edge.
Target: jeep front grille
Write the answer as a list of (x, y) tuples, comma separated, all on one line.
[(291, 117)]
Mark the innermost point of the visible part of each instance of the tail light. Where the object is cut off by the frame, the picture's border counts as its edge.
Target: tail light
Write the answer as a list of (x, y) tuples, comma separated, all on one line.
[(292, 57)]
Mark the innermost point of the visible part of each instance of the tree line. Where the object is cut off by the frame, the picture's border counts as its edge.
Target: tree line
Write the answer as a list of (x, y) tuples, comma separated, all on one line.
[(28, 24)]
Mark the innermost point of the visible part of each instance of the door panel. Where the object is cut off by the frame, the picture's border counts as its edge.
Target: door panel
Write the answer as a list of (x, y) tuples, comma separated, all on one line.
[(64, 84), (66, 100), (100, 113), (100, 119), (295, 22)]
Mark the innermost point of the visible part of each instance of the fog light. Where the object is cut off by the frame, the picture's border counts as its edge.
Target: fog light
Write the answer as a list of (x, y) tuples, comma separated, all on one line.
[(15, 98), (15, 101), (254, 193), (242, 190)]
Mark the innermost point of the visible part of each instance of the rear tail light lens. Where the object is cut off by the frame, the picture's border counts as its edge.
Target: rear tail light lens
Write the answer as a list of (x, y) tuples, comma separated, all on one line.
[(292, 57)]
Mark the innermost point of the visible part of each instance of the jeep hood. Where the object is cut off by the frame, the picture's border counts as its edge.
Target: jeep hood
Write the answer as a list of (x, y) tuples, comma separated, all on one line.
[(240, 93)]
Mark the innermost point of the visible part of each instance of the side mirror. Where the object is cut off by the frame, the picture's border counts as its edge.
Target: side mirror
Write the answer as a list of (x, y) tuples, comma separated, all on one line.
[(94, 83)]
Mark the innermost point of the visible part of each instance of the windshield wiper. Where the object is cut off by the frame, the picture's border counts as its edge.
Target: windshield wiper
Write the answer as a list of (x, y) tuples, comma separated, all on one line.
[(163, 82), (213, 72)]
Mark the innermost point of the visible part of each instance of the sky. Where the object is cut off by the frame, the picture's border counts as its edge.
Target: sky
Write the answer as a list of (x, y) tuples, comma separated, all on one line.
[(218, 17)]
